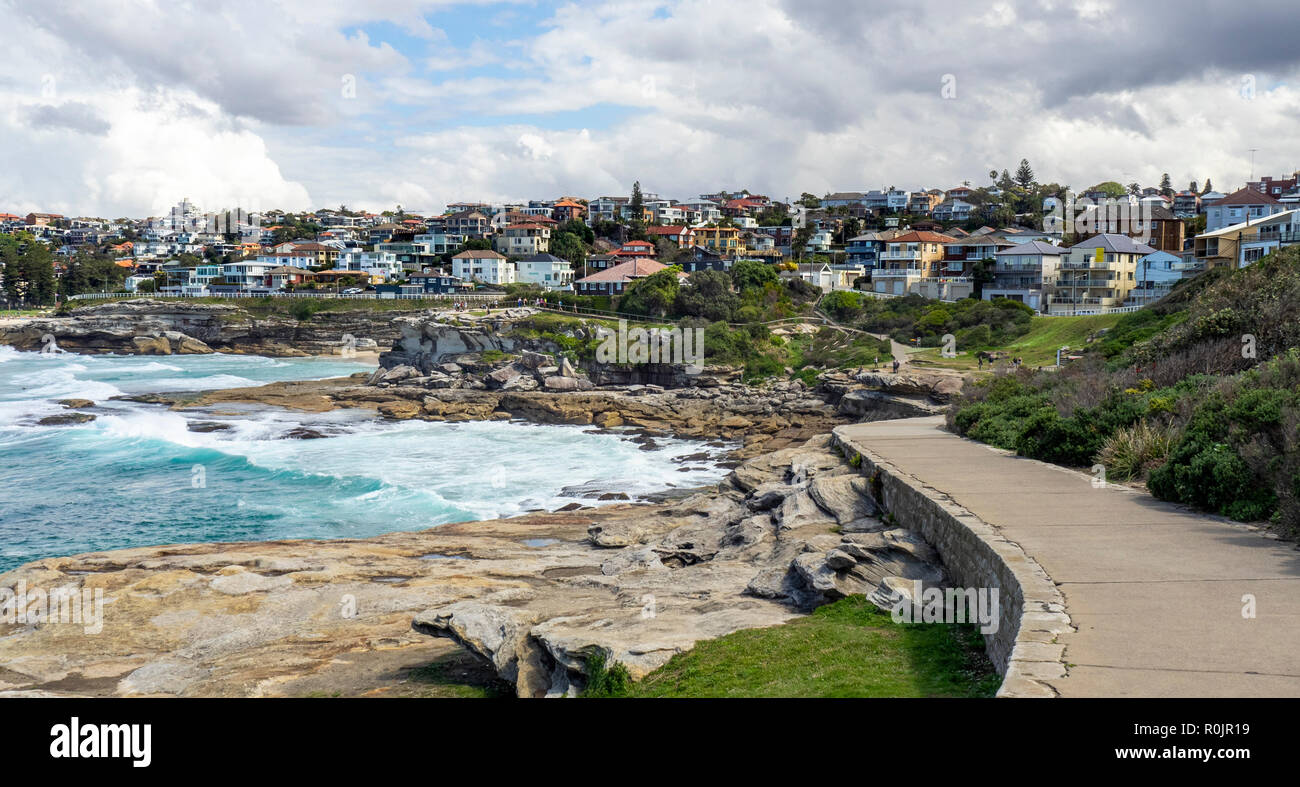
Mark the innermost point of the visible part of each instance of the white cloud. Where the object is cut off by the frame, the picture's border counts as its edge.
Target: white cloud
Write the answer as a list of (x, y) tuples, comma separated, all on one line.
[(248, 101)]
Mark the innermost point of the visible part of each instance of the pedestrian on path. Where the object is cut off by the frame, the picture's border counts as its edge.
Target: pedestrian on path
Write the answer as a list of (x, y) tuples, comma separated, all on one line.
[(895, 366)]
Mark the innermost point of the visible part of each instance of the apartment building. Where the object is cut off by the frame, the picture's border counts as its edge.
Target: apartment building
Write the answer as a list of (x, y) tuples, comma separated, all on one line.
[(907, 259), (524, 240), (1026, 273), (1098, 274)]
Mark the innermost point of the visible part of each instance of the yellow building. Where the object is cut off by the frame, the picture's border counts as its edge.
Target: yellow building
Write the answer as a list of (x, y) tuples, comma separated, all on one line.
[(723, 240)]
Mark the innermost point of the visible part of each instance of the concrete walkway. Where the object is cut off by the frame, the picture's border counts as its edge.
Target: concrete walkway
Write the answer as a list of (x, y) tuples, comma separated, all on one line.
[(1153, 590)]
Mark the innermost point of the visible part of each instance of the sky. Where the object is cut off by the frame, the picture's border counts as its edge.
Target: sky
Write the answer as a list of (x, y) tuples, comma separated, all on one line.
[(123, 107)]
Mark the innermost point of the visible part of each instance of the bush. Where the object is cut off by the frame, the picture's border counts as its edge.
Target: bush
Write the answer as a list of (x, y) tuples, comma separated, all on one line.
[(603, 681), (1133, 451)]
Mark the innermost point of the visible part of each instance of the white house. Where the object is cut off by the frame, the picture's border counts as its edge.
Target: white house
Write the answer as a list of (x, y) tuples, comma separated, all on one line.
[(1025, 273), (382, 265), (547, 270), (483, 266)]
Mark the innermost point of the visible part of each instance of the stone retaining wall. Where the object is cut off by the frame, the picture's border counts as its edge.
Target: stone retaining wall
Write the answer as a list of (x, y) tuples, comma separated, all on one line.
[(1024, 648)]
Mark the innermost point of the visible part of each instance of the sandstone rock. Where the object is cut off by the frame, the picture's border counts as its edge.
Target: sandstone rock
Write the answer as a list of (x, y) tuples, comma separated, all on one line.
[(399, 373), (567, 384), (151, 345), (75, 404)]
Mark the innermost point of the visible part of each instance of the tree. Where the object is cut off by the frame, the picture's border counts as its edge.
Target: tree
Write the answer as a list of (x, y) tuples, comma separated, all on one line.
[(653, 296), (1024, 174), (1208, 187), (1004, 181), (752, 273), (1166, 186), (1134, 188), (810, 200), (709, 296), (1192, 187), (637, 205), (568, 246), (1111, 189)]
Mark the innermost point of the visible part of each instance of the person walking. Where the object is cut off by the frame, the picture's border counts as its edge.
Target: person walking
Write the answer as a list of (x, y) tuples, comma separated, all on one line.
[(895, 366)]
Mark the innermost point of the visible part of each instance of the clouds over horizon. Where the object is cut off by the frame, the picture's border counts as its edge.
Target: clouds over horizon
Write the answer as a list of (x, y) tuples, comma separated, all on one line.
[(122, 109)]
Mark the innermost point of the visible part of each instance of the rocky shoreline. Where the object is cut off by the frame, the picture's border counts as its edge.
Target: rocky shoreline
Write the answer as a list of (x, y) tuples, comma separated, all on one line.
[(793, 526), (532, 595)]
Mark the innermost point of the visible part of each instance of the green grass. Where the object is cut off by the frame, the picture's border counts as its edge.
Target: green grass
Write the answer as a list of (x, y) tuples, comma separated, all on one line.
[(1037, 348), (846, 649)]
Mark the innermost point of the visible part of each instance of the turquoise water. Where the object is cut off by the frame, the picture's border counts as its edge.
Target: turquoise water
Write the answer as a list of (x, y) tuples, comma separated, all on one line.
[(141, 475)]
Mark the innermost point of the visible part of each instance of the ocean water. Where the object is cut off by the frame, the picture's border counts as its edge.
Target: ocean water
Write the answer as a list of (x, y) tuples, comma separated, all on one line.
[(143, 475)]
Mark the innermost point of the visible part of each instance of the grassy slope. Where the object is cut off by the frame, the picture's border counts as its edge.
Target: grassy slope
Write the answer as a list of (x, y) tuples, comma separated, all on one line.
[(1038, 347), (846, 649)]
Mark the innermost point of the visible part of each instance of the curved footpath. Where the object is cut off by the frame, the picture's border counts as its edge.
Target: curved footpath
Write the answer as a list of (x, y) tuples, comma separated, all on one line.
[(1155, 596)]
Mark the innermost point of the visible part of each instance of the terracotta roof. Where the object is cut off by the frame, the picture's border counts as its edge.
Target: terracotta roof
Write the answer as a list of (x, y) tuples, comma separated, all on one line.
[(670, 230), (529, 226), (626, 271), (1247, 196), (922, 237)]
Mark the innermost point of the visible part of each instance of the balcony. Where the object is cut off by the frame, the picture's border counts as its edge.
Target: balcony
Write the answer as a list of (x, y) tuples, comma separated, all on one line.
[(888, 254), (891, 273), (1108, 283), (1088, 265)]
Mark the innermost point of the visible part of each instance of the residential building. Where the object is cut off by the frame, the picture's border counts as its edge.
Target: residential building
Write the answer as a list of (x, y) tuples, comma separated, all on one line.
[(379, 266), (681, 234), (1026, 273), (1241, 244), (440, 243), (524, 240), (430, 283), (907, 259), (289, 258), (284, 277), (469, 223), (636, 248), (842, 199), (1239, 207), (724, 240), (568, 209), (1186, 204), (547, 270), (614, 280), (818, 274), (865, 249), (483, 266), (952, 210), (1098, 274), (1157, 273)]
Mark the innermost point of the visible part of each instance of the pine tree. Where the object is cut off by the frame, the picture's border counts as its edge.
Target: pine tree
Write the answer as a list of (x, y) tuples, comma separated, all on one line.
[(1192, 187), (1166, 185), (1208, 187), (1024, 174), (637, 205)]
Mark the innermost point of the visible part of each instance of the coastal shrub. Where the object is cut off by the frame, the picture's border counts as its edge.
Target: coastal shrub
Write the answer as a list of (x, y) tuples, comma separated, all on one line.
[(605, 680), (842, 304), (761, 367)]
